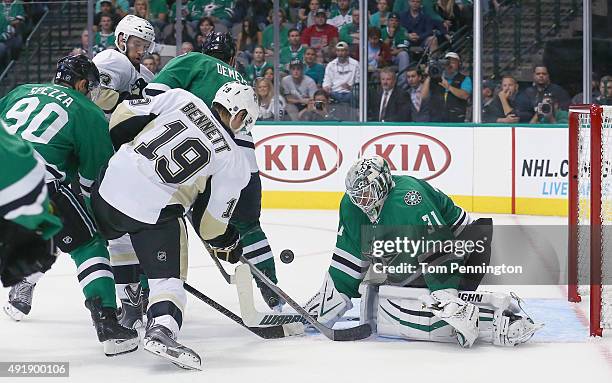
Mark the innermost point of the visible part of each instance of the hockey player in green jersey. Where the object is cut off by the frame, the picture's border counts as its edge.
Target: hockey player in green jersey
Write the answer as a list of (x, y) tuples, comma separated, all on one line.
[(203, 75), (27, 224), (70, 134), (398, 224)]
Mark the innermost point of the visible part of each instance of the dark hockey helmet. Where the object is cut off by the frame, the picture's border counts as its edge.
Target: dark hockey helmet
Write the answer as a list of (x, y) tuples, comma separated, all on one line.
[(71, 69), (368, 183), (220, 45)]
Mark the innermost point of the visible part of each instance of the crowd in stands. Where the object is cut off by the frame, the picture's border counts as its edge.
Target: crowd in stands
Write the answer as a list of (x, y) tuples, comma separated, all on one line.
[(319, 53), (17, 18)]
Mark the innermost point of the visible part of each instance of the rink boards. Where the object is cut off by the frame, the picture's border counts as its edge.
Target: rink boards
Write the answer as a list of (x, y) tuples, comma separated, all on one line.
[(484, 168)]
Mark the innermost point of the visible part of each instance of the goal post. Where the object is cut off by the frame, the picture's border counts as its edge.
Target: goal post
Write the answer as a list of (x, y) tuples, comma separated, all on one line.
[(590, 212)]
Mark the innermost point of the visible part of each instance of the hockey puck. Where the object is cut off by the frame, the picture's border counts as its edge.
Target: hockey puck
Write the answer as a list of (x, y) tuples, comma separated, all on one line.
[(286, 256)]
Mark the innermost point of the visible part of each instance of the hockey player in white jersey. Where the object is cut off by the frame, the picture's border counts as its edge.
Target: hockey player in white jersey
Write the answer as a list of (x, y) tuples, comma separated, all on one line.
[(184, 157), (122, 75)]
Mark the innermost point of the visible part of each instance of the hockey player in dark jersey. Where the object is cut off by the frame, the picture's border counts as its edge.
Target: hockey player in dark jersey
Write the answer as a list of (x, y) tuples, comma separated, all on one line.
[(380, 211)]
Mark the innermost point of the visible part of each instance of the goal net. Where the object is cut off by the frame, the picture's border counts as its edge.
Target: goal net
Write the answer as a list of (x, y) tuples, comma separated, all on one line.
[(590, 212)]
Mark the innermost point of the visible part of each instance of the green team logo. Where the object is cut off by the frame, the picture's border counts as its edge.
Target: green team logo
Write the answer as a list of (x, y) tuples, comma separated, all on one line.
[(413, 198)]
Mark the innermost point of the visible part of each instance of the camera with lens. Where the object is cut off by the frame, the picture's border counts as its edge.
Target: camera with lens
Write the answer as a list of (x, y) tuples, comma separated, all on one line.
[(435, 69), (319, 105), (546, 105)]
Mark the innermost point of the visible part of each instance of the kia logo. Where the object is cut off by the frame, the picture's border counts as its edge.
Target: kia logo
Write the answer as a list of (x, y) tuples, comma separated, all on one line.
[(415, 154), (297, 157)]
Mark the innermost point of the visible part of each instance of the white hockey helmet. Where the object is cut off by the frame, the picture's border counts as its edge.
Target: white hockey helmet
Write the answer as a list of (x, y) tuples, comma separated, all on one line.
[(235, 97), (132, 25)]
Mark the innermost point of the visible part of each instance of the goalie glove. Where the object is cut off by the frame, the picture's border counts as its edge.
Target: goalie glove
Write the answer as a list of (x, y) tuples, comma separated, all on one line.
[(227, 246), (511, 329), (462, 316), (328, 304)]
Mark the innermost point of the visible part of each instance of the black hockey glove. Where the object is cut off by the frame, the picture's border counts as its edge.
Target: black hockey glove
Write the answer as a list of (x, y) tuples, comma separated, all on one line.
[(22, 252), (227, 246)]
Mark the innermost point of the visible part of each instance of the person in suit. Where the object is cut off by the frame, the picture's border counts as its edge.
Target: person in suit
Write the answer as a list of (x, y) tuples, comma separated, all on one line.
[(389, 103), (414, 87)]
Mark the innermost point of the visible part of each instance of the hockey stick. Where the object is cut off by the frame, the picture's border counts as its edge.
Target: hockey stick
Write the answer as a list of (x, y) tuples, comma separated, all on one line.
[(273, 332), (354, 333)]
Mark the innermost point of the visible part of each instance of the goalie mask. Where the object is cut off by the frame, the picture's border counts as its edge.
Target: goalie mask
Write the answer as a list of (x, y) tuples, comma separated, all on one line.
[(236, 97), (368, 184)]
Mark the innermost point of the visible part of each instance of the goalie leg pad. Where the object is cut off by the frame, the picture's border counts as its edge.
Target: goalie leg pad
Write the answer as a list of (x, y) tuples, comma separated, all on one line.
[(328, 304)]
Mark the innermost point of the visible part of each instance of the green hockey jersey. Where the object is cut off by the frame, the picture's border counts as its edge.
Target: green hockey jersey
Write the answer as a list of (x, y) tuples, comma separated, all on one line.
[(23, 194), (413, 211), (66, 128), (195, 72)]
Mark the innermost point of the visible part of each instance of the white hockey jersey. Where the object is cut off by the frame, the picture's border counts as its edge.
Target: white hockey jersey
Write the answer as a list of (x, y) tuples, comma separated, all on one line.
[(118, 73), (171, 159)]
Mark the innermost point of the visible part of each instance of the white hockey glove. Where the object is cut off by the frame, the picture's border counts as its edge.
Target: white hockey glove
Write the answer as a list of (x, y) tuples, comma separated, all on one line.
[(328, 305), (462, 316), (511, 329)]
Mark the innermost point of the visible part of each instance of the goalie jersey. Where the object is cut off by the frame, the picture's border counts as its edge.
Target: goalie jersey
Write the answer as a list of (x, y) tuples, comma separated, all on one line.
[(413, 210), (179, 147)]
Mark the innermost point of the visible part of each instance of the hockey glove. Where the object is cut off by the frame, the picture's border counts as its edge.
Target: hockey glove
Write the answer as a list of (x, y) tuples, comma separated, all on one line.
[(22, 252), (227, 246)]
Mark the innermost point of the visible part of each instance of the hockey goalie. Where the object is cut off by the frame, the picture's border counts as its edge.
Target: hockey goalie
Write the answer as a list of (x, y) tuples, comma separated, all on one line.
[(413, 242)]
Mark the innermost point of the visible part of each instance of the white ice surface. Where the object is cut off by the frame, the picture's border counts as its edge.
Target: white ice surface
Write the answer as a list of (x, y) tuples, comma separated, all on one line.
[(59, 329)]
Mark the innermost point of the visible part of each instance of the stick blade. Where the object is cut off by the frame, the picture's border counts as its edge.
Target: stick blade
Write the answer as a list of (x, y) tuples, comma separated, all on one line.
[(354, 333)]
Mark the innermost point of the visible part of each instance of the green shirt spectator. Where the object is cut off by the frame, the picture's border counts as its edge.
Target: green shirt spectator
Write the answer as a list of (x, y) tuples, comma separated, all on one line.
[(399, 37), (158, 10), (257, 67), (294, 50), (13, 12), (268, 32), (428, 8), (220, 9), (185, 10), (312, 68)]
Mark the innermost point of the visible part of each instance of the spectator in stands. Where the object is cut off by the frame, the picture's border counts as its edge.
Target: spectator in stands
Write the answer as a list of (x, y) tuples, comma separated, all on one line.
[(294, 51), (379, 53), (159, 13), (168, 34), (249, 37), (265, 99), (149, 63), (268, 73), (318, 109), (258, 65), (257, 10), (419, 104), (501, 108), (141, 9), (396, 37), (349, 33), (268, 33), (450, 12), (307, 16), (105, 37), (111, 7), (12, 16), (389, 102), (605, 89), (549, 111), (205, 28), (186, 47), (185, 11), (341, 74), (83, 46), (157, 59), (379, 19), (341, 14), (529, 100), (293, 9), (297, 89), (220, 11), (321, 35), (450, 93), (595, 81), (420, 27), (312, 68)]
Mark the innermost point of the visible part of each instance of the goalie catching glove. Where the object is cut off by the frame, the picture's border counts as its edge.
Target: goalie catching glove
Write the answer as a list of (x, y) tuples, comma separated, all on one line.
[(462, 316), (227, 246)]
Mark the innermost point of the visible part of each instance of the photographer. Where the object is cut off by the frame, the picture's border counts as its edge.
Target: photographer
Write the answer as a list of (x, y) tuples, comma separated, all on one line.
[(549, 112), (317, 109), (527, 102), (448, 90)]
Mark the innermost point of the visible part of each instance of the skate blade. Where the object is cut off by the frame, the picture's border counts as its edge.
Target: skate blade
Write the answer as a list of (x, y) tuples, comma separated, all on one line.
[(114, 347), (183, 360), (13, 312), (529, 334)]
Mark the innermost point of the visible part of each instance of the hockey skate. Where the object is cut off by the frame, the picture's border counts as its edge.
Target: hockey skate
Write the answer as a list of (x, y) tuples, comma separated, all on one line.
[(20, 300), (133, 308), (160, 341), (115, 338)]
